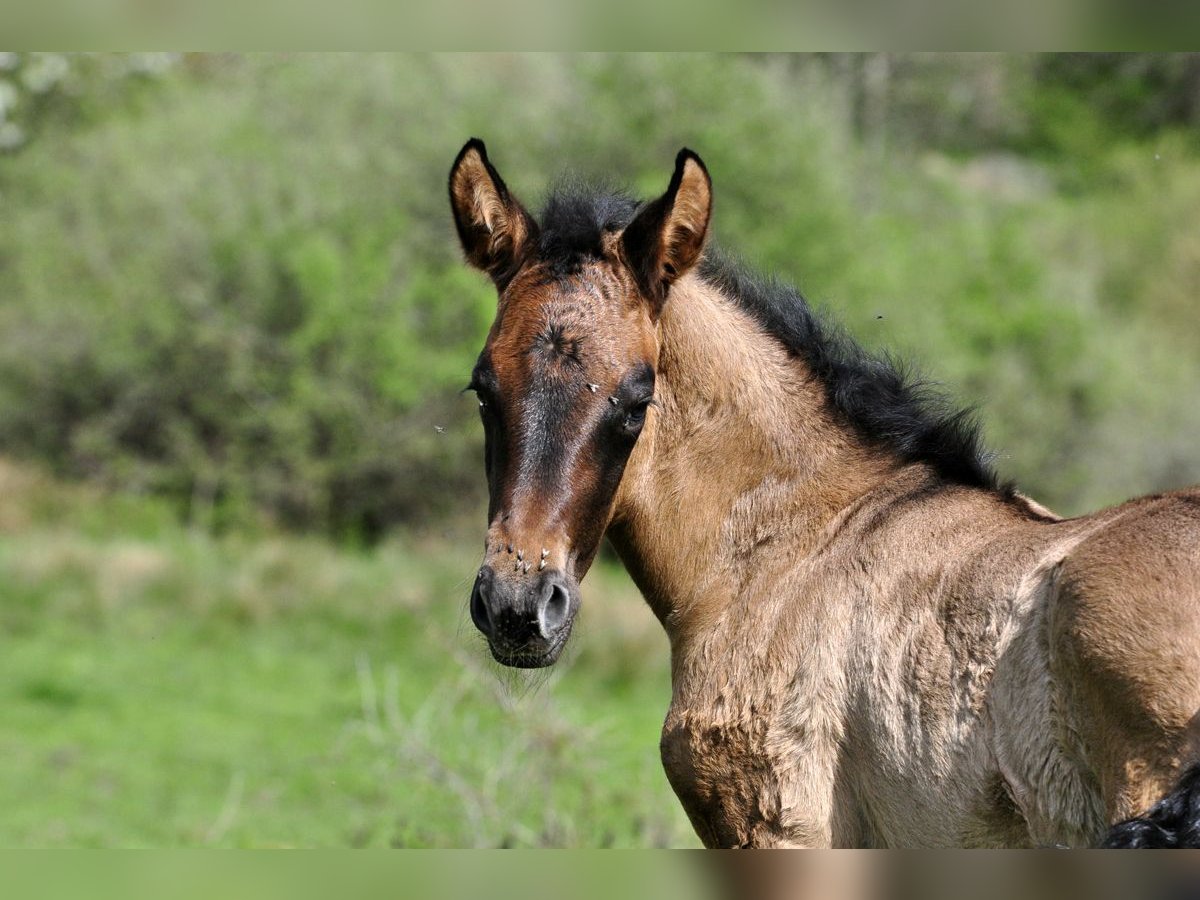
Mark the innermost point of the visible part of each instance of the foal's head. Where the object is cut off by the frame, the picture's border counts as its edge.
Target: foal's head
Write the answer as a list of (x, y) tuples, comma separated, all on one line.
[(564, 381)]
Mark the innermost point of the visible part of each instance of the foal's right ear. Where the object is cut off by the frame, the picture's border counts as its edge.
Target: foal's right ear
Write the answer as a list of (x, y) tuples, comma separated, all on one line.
[(494, 228)]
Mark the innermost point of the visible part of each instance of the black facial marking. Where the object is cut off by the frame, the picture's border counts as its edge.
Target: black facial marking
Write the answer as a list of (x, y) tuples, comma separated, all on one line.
[(483, 378), (630, 402), (495, 451), (638, 385), (546, 418)]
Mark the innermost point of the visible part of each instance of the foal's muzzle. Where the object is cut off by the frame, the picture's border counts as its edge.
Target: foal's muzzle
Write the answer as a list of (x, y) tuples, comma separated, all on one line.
[(526, 620)]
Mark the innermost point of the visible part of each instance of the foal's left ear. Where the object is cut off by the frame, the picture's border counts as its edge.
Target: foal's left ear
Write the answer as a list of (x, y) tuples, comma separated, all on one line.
[(494, 228), (666, 237)]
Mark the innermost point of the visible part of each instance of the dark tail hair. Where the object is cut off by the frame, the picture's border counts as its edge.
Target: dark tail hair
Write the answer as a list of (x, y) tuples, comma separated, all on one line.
[(1174, 821)]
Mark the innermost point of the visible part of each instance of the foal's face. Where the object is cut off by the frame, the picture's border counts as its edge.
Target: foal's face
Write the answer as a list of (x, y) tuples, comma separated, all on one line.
[(565, 383), (564, 392)]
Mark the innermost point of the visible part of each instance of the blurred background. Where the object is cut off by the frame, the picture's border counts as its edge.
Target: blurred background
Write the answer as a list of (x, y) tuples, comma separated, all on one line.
[(241, 499)]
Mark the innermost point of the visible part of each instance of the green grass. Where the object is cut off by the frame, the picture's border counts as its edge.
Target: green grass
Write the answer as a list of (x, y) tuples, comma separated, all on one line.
[(164, 688)]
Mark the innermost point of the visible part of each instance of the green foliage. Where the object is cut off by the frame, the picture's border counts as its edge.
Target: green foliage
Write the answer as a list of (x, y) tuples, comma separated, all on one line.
[(208, 308), (1133, 94), (242, 292), (44, 91)]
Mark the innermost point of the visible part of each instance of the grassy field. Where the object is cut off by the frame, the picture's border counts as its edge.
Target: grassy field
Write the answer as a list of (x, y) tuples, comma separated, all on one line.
[(164, 688)]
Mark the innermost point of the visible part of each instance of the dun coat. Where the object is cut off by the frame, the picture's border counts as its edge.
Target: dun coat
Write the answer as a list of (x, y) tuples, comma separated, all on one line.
[(873, 641)]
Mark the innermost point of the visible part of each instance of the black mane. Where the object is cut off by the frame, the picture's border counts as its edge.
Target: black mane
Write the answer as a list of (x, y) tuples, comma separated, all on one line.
[(574, 220), (875, 395)]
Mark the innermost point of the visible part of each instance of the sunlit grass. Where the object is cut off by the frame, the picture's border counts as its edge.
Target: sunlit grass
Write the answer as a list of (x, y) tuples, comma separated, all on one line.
[(162, 688)]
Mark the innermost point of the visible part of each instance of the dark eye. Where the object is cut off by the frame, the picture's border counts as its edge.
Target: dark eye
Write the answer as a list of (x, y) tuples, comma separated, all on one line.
[(485, 406), (635, 417)]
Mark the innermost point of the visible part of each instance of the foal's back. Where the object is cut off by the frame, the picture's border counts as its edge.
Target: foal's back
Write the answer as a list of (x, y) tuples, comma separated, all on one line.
[(1022, 680)]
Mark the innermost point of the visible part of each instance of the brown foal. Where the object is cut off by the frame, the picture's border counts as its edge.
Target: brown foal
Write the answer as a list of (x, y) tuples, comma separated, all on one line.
[(873, 641)]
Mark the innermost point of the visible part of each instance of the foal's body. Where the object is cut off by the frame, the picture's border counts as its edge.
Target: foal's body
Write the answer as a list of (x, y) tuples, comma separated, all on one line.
[(863, 656), (873, 643)]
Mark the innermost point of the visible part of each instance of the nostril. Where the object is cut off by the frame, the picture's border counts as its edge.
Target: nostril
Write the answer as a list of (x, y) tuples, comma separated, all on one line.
[(479, 609), (553, 612)]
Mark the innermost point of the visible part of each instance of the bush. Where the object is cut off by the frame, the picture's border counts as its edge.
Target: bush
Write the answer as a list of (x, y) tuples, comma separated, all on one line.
[(243, 292)]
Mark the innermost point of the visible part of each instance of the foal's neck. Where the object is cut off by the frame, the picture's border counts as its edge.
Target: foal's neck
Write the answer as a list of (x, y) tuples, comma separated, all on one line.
[(740, 466)]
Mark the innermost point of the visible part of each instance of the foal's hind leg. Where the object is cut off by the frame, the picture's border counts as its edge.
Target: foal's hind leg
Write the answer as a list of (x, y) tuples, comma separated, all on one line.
[(1125, 637)]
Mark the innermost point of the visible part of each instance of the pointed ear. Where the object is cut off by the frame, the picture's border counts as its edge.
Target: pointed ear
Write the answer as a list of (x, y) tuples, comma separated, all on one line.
[(666, 237), (494, 228)]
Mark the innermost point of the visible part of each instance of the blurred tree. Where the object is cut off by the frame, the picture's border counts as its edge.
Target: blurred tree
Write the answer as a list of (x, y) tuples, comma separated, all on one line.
[(1137, 93), (37, 89)]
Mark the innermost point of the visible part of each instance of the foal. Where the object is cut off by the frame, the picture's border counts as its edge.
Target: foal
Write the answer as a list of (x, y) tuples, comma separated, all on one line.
[(873, 642)]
